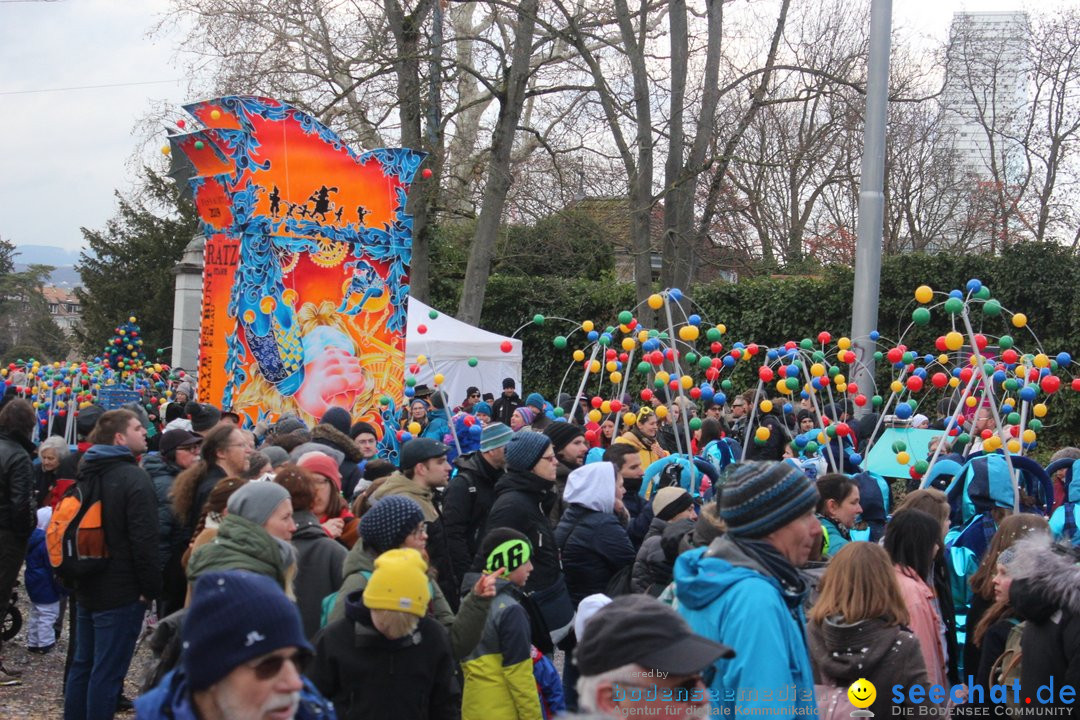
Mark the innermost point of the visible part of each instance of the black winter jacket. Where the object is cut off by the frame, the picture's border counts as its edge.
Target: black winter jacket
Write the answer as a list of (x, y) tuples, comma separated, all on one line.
[(503, 408), (17, 491), (655, 561), (369, 677), (1044, 593), (594, 546), (466, 505), (640, 510), (129, 514), (522, 502), (319, 568), (170, 534)]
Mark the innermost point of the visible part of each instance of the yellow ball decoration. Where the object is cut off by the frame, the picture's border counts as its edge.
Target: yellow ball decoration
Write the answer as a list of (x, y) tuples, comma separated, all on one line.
[(903, 458), (661, 412), (588, 326), (605, 407), (844, 343), (841, 387), (1041, 361), (896, 386), (414, 428), (215, 114), (765, 406), (782, 387), (628, 344), (762, 433), (1029, 436), (421, 359), (166, 150), (1019, 320), (611, 366), (817, 369), (924, 294), (1013, 446), (656, 301), (663, 376), (687, 382), (594, 367), (131, 319), (616, 377), (439, 377), (722, 328), (992, 443), (629, 419), (971, 401), (1039, 410), (595, 415), (943, 359), (954, 340), (579, 356), (642, 336), (688, 333), (839, 379)]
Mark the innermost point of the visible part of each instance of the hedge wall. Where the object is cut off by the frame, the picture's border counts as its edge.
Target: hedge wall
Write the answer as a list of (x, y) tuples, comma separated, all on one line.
[(1038, 279)]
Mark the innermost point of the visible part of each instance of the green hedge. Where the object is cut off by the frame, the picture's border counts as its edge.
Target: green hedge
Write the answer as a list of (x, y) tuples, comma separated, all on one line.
[(1038, 279)]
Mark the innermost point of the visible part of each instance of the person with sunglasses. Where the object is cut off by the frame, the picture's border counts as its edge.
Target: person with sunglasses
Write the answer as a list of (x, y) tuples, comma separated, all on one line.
[(244, 654)]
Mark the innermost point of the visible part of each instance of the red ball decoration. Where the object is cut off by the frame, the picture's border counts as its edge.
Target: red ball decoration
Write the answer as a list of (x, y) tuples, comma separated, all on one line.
[(469, 420), (590, 436), (712, 373), (695, 392), (965, 374), (1050, 384), (752, 348), (765, 373), (940, 344), (914, 383), (616, 406), (610, 354), (824, 338), (421, 329), (860, 400), (426, 173), (596, 401), (843, 429), (1076, 384), (716, 347), (624, 357), (853, 389), (986, 434), (980, 341), (737, 354), (506, 346), (1010, 357), (895, 355), (939, 380), (646, 394)]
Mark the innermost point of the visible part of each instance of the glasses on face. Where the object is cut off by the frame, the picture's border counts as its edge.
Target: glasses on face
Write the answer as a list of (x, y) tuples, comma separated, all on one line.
[(475, 395), (270, 667), (191, 448), (550, 458)]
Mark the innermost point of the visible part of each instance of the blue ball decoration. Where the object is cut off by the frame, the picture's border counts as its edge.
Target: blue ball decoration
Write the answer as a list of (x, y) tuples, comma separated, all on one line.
[(675, 294), (694, 319), (974, 285), (1064, 358), (1027, 394), (875, 335), (855, 458), (958, 294), (903, 411)]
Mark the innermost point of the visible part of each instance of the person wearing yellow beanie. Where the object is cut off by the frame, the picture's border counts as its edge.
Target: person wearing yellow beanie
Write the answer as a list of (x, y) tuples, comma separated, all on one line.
[(387, 659), (399, 583)]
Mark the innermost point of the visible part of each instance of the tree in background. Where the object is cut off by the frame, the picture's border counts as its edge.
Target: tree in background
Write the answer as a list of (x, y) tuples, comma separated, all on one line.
[(127, 269), (124, 351), (26, 328)]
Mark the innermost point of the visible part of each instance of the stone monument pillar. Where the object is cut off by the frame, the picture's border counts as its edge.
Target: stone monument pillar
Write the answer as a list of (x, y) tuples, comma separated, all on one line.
[(187, 313)]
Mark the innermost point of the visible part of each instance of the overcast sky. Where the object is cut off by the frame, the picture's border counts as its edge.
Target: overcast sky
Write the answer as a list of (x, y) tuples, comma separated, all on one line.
[(65, 150)]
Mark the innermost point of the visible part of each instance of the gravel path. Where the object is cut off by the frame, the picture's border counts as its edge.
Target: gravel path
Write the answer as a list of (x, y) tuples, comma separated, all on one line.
[(39, 692)]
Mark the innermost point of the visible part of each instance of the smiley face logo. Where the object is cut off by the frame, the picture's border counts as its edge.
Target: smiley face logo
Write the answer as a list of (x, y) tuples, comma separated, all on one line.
[(862, 693)]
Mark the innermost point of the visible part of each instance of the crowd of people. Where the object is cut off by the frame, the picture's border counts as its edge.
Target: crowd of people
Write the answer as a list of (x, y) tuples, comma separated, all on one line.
[(513, 561)]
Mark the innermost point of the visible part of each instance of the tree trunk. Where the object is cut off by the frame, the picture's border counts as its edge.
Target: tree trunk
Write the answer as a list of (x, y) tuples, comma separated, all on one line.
[(511, 101)]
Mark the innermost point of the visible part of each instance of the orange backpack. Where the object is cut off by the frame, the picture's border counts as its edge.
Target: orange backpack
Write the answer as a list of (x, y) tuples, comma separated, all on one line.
[(75, 538)]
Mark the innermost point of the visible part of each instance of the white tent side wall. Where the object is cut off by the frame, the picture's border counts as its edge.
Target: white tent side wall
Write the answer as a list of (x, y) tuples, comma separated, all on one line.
[(448, 344)]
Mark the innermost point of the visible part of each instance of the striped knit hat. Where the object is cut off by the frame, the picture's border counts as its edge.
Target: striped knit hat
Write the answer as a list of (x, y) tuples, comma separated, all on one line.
[(760, 497)]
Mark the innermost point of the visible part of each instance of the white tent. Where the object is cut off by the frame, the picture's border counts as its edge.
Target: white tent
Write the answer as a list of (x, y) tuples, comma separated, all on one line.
[(448, 344)]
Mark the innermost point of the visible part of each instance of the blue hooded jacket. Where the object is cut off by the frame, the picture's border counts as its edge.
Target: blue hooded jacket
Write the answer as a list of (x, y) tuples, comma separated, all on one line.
[(728, 597)]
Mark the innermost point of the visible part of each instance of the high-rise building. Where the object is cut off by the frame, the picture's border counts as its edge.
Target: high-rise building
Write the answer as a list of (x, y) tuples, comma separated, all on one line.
[(987, 91)]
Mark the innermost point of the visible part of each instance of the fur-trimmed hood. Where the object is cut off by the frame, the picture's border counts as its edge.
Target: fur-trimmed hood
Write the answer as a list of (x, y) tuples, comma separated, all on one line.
[(1046, 577), (325, 434)]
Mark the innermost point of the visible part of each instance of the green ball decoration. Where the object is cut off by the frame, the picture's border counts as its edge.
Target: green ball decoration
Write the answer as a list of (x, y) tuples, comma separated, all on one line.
[(992, 308), (558, 412), (433, 314), (199, 144), (712, 334), (792, 383), (899, 446), (876, 401), (654, 333), (831, 431), (1013, 418), (913, 404), (806, 344), (962, 440), (695, 424), (921, 316), (658, 383), (644, 367), (691, 357), (1005, 342), (908, 357), (811, 447), (921, 466), (559, 342), (878, 356), (704, 363), (726, 385), (1011, 384), (473, 362), (954, 306), (625, 317), (833, 371), (818, 356), (1035, 424), (538, 319), (410, 381), (984, 293)]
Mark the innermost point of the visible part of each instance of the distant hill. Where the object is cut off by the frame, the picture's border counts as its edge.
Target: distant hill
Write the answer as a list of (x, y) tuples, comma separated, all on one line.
[(62, 259)]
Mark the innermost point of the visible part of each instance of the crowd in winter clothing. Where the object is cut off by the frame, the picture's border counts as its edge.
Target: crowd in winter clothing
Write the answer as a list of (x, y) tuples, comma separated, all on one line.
[(295, 571)]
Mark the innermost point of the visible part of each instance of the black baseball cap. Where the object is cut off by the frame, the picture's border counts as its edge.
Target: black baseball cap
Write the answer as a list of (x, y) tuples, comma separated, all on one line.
[(177, 438), (642, 630), (419, 450)]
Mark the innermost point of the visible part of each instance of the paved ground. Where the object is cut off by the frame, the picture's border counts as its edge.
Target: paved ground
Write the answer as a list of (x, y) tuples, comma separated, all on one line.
[(38, 694)]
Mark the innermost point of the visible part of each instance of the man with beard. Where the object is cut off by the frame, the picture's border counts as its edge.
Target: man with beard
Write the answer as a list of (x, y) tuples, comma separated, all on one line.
[(638, 511), (243, 657), (568, 441)]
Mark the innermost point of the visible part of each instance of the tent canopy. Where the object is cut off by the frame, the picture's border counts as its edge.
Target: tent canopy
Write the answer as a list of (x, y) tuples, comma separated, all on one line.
[(448, 344)]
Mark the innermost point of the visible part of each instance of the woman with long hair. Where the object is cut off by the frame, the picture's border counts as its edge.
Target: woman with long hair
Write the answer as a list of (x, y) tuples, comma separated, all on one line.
[(934, 503), (857, 627), (993, 629), (642, 435), (983, 593), (912, 539), (837, 509), (225, 451)]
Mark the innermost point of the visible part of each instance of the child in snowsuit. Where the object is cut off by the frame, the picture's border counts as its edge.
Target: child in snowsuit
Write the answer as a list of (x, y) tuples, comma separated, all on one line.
[(42, 589)]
